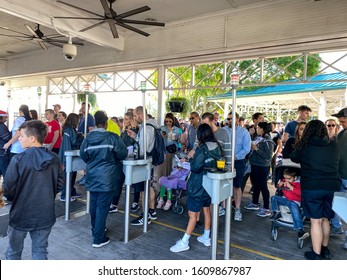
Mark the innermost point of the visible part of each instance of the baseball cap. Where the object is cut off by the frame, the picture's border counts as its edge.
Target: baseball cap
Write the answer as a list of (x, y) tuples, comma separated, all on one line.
[(341, 113), (3, 114)]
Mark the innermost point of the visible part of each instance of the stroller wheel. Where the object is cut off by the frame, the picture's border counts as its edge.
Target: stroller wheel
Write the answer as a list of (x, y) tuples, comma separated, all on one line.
[(274, 233), (177, 208), (300, 243)]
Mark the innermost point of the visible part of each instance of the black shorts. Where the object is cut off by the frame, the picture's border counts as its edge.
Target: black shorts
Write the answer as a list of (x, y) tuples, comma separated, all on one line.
[(240, 166), (195, 204), (317, 204)]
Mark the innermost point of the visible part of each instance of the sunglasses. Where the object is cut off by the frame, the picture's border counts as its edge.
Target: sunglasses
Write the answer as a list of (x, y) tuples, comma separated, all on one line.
[(192, 118), (168, 121), (229, 119), (331, 125)]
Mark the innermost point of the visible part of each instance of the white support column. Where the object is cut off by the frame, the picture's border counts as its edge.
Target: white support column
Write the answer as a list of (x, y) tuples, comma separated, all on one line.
[(322, 107), (161, 97), (226, 109)]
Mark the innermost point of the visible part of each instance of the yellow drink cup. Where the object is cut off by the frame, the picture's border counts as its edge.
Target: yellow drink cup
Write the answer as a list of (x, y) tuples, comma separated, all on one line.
[(221, 163)]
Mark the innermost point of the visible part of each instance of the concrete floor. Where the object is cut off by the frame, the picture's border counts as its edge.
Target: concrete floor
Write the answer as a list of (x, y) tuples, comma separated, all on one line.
[(250, 239)]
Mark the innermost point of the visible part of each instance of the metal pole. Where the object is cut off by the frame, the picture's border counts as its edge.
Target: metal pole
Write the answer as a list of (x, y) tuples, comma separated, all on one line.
[(127, 213), (68, 170), (234, 84), (214, 230), (86, 115), (145, 199)]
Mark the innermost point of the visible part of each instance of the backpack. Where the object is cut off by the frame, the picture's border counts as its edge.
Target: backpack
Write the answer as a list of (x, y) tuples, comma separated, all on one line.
[(158, 150)]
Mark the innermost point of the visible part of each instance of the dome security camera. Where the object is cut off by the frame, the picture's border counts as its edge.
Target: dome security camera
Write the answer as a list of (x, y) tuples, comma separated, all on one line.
[(69, 51)]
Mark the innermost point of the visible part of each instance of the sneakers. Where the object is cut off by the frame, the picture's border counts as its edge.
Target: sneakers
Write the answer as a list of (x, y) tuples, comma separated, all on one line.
[(98, 245), (205, 241), (152, 215), (77, 195), (325, 253), (238, 215), (335, 231), (134, 207), (310, 255), (302, 234), (252, 206), (264, 213), (71, 199), (160, 204), (275, 215), (179, 247), (113, 209), (221, 211), (168, 205), (139, 221)]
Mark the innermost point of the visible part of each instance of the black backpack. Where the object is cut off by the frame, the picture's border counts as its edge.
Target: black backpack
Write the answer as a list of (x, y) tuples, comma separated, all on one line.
[(158, 150)]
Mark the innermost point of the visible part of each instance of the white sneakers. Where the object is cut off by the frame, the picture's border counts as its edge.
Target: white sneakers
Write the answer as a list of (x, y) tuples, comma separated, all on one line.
[(205, 241), (180, 246), (238, 216)]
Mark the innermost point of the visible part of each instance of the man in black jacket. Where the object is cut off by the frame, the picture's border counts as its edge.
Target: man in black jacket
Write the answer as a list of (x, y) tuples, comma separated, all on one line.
[(102, 151), (5, 136), (31, 183)]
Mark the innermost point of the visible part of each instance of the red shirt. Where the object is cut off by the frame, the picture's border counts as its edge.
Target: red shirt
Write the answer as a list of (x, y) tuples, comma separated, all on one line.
[(295, 194), (52, 127)]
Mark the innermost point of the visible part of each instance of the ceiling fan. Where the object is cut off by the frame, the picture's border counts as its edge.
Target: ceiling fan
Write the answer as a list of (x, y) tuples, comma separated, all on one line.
[(113, 19), (37, 36)]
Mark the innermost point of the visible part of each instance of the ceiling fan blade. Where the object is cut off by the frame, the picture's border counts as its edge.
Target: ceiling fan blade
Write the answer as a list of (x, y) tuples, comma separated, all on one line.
[(32, 31), (16, 36), (144, 22), (7, 29), (106, 8), (134, 12), (78, 8), (133, 29), (101, 17), (113, 30), (92, 26), (42, 45)]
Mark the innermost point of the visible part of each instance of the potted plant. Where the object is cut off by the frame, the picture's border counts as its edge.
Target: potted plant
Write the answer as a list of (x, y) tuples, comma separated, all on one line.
[(177, 104)]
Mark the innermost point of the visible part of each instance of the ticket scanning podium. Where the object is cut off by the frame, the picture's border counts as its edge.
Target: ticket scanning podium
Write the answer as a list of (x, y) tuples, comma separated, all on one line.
[(135, 171), (73, 163), (219, 185), (340, 205)]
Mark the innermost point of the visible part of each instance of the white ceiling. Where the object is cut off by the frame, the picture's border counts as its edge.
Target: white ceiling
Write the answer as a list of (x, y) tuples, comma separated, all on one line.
[(14, 14)]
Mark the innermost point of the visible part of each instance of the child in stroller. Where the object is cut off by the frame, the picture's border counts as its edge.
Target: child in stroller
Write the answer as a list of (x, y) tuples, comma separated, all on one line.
[(286, 205), (175, 181)]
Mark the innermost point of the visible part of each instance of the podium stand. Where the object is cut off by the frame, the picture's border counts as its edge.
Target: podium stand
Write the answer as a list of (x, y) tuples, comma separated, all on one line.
[(219, 185), (73, 163), (136, 171)]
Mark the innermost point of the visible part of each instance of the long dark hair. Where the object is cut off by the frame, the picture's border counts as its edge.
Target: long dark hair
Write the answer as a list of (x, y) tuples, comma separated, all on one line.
[(25, 111), (34, 114), (71, 121), (313, 128), (205, 134), (296, 133)]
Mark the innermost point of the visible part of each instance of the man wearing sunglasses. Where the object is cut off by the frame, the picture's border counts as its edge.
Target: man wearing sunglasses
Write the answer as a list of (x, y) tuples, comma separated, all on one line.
[(194, 123), (342, 144)]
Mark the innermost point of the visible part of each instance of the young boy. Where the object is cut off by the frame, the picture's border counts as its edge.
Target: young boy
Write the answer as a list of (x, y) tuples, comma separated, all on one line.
[(32, 181), (291, 198)]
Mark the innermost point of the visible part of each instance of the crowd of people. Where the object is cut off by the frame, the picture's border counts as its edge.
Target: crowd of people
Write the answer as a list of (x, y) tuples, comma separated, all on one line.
[(104, 142)]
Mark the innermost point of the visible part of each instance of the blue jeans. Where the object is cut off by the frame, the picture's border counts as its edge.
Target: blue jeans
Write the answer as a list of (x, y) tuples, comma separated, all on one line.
[(336, 221), (4, 161), (99, 206), (39, 243), (293, 207)]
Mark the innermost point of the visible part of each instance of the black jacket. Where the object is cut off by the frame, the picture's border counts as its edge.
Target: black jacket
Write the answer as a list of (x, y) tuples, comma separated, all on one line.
[(103, 151), (31, 183), (319, 162), (5, 136)]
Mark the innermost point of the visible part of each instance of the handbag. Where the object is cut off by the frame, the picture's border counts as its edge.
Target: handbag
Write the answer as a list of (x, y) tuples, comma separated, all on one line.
[(171, 149)]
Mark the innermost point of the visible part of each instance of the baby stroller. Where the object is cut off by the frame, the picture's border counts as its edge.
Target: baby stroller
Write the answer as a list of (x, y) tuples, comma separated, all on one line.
[(177, 182), (285, 220)]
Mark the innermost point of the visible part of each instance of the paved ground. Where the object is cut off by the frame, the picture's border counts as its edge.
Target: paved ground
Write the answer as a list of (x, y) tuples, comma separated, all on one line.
[(250, 239)]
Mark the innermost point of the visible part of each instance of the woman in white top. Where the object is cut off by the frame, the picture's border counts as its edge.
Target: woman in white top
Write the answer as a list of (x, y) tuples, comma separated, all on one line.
[(16, 147)]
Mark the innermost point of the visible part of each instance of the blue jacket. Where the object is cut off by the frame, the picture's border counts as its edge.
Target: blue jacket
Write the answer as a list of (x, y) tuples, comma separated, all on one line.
[(103, 151)]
